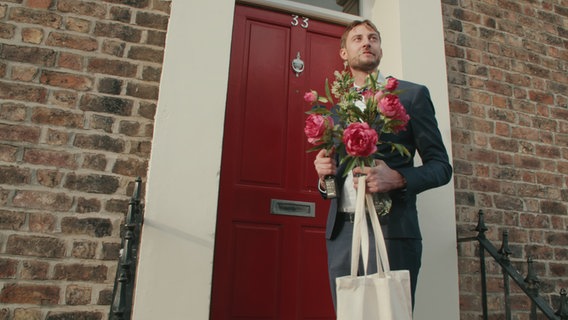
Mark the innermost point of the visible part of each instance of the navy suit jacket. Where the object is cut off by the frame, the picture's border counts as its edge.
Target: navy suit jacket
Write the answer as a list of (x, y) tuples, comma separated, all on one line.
[(423, 136)]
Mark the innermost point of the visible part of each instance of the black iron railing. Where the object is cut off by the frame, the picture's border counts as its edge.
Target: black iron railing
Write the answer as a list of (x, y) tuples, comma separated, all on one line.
[(530, 285), (121, 308)]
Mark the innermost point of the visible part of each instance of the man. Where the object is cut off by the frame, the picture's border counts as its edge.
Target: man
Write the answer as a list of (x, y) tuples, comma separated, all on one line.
[(393, 174)]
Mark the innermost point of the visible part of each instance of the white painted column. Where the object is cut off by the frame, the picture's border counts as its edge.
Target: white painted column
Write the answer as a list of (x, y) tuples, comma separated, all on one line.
[(176, 256), (413, 49)]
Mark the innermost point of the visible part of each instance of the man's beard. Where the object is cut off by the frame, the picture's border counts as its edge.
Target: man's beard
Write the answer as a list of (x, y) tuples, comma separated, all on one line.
[(366, 66)]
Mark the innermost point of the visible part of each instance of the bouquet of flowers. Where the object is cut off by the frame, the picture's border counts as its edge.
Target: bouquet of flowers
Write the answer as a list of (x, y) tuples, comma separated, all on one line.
[(362, 115)]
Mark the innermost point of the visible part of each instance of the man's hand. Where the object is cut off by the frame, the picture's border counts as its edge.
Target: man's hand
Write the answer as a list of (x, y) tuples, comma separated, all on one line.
[(325, 165), (380, 178)]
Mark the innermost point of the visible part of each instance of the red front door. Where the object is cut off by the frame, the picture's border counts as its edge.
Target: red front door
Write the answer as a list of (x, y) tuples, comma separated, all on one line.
[(270, 258)]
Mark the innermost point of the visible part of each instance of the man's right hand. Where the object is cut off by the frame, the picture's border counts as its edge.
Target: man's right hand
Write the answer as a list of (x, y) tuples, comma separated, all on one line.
[(325, 165)]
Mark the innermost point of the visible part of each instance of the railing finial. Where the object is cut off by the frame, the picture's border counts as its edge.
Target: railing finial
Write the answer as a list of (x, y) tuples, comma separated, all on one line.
[(505, 251), (563, 309), (532, 281), (481, 228)]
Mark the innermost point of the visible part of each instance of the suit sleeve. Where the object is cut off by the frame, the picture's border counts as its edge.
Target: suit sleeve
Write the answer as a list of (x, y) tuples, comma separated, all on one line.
[(435, 170)]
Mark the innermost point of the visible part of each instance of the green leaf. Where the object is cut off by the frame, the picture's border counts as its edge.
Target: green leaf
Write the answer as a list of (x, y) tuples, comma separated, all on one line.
[(328, 92), (401, 149)]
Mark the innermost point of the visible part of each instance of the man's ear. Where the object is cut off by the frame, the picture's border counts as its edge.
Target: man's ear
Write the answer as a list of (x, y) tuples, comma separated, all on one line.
[(343, 53)]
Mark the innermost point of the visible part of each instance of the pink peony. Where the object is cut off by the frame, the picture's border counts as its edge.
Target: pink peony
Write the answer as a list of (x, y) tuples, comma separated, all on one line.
[(360, 140), (316, 127), (391, 84), (310, 96), (367, 94), (392, 108), (379, 95)]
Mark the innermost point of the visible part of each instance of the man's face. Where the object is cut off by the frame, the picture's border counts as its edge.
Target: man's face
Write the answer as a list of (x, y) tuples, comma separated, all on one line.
[(362, 49)]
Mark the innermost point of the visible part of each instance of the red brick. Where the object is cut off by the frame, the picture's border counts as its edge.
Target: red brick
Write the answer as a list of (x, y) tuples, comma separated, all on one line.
[(88, 205), (27, 314), (17, 91), (12, 220), (65, 99), (34, 270), (116, 205), (49, 178), (528, 162), (147, 110), (15, 175), (40, 4), (72, 41), (112, 67), (77, 295), (129, 128), (75, 315), (548, 151), (104, 104), (105, 297), (30, 294), (94, 227), (164, 6), (70, 61), (99, 142), (113, 48), (80, 272), (95, 161), (111, 251), (8, 153), (32, 35), (7, 31), (18, 133), (53, 158), (33, 199), (8, 268), (78, 25), (66, 80), (554, 207), (507, 145), (42, 222), (13, 112), (132, 3), (39, 17), (58, 137), (57, 117), (84, 8), (24, 73), (118, 31), (131, 167), (121, 14), (156, 38), (143, 91), (84, 249), (36, 246), (152, 20), (146, 54), (485, 185)]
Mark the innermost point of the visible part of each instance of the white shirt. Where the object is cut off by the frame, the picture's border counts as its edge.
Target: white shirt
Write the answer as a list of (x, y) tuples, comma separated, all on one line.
[(349, 194)]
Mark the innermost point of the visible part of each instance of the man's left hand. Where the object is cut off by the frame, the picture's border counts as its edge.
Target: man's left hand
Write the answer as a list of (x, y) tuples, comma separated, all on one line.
[(380, 178)]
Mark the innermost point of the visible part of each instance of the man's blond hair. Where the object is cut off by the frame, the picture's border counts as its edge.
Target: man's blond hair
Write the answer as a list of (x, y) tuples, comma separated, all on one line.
[(357, 23)]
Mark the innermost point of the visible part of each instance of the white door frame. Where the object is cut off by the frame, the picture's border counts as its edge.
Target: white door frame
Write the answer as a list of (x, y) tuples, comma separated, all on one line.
[(176, 251)]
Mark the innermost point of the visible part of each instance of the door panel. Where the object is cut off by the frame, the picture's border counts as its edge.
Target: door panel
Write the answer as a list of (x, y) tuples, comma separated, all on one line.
[(251, 300), (264, 107), (267, 265)]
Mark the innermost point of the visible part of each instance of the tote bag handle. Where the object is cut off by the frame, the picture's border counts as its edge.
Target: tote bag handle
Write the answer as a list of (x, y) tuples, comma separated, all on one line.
[(360, 244)]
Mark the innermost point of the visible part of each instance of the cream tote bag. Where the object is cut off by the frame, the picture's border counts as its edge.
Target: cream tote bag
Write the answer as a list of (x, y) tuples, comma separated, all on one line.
[(384, 295)]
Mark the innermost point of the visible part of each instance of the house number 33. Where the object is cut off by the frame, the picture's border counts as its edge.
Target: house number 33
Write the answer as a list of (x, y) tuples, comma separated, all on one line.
[(302, 21)]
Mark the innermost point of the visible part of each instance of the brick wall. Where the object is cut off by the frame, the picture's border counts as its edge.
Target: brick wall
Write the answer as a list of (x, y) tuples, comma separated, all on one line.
[(508, 86), (79, 82)]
